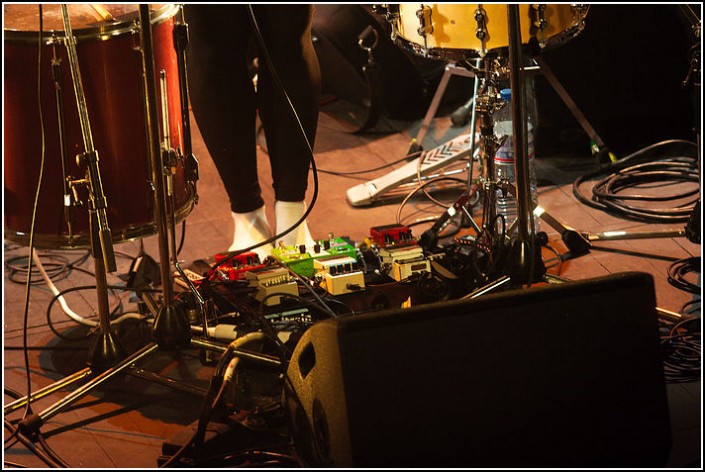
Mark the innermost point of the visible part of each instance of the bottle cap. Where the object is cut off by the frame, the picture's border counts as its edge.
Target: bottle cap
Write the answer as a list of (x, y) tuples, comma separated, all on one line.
[(505, 94)]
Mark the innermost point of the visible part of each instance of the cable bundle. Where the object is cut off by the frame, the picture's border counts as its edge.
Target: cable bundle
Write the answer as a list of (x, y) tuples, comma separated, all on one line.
[(681, 351), (677, 274), (611, 193)]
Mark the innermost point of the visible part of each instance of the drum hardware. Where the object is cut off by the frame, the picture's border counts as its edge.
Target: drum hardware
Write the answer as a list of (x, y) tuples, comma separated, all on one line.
[(425, 23), (180, 35), (171, 327), (540, 22), (374, 85), (525, 264), (481, 31), (69, 191)]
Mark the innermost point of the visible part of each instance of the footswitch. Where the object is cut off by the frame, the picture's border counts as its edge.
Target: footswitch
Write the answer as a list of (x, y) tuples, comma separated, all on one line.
[(300, 258), (402, 262), (339, 275), (270, 283)]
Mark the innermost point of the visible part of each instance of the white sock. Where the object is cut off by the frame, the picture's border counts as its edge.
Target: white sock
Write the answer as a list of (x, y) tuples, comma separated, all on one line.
[(288, 213), (251, 228)]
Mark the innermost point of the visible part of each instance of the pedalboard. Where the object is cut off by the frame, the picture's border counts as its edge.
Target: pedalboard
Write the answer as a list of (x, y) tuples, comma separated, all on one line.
[(271, 284)]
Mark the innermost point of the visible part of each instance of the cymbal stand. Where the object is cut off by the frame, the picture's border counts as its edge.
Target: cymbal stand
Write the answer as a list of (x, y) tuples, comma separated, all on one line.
[(525, 264)]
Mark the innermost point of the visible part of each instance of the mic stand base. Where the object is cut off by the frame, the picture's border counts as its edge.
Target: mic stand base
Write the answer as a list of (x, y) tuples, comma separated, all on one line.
[(171, 327), (105, 352)]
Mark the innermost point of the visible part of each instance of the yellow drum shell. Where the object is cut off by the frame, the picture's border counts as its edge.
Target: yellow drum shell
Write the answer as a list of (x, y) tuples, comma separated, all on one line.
[(453, 31)]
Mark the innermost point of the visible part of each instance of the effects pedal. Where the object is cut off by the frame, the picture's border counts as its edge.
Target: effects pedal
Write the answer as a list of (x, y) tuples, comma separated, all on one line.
[(300, 258)]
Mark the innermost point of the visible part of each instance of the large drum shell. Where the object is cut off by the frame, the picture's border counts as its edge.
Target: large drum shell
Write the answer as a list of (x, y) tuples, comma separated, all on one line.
[(454, 28), (110, 63)]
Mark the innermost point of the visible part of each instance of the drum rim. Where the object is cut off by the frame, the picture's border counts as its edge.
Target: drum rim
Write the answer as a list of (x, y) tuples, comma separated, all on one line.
[(83, 241), (102, 33)]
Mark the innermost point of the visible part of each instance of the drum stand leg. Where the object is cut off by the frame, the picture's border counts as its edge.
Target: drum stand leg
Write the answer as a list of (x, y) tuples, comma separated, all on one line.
[(450, 70)]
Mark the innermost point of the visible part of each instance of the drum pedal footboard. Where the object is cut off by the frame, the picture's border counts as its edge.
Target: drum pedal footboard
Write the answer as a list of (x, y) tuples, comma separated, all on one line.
[(369, 192)]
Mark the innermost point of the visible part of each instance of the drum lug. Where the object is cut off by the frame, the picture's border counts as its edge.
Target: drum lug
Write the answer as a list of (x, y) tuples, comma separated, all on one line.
[(392, 18), (481, 30), (540, 22), (425, 24), (579, 12)]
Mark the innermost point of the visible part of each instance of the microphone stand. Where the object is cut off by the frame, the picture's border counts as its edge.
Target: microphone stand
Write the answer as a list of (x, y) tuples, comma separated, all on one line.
[(171, 326), (106, 350)]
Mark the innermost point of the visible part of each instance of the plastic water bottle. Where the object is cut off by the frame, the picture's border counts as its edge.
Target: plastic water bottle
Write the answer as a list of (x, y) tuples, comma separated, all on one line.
[(504, 158)]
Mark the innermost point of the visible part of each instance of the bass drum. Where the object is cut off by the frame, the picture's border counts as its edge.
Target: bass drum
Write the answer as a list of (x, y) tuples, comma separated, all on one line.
[(42, 126), (456, 32)]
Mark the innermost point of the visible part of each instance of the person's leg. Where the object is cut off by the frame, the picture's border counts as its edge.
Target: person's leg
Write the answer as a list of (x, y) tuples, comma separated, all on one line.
[(286, 30), (223, 100)]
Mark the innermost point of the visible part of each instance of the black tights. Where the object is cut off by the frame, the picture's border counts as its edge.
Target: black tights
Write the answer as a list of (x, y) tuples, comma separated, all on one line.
[(225, 103)]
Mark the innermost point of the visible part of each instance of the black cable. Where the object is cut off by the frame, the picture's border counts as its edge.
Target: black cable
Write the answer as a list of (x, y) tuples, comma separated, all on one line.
[(246, 455), (29, 445), (691, 307), (420, 188), (58, 269), (28, 408), (366, 171), (608, 194), (559, 259), (183, 237), (681, 350), (207, 407), (677, 274), (50, 452), (308, 287), (55, 270)]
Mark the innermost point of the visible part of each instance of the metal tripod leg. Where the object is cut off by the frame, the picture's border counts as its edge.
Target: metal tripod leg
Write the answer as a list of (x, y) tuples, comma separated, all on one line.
[(32, 423), (547, 72), (48, 390), (450, 70)]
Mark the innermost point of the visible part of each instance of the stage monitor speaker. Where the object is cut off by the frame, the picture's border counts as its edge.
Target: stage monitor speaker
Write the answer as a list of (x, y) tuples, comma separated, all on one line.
[(565, 375)]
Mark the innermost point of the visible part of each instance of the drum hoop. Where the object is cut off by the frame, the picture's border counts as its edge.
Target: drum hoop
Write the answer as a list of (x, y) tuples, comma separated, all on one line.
[(83, 241), (459, 54), (436, 53), (102, 33)]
